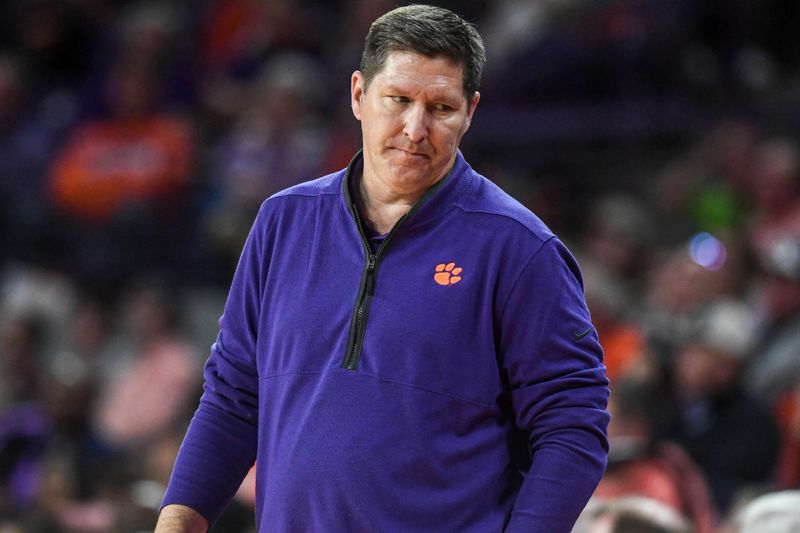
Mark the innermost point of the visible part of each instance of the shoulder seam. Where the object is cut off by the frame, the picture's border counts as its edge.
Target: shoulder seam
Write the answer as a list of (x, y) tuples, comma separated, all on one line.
[(542, 238), (302, 194)]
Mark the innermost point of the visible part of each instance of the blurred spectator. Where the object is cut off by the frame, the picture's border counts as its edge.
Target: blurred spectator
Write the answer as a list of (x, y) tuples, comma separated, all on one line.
[(776, 288), (775, 242), (623, 339), (83, 353), (278, 139), (28, 138), (631, 515), (343, 43), (55, 38), (787, 412), (21, 359), (238, 37), (731, 435), (642, 464), (24, 432), (619, 234), (777, 512), (774, 374), (134, 156), (121, 181), (24, 424), (152, 391), (707, 188), (147, 35), (239, 34), (77, 367), (628, 125), (515, 25), (775, 186), (684, 280)]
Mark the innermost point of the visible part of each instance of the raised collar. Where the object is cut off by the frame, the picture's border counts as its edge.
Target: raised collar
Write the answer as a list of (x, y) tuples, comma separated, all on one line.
[(433, 204)]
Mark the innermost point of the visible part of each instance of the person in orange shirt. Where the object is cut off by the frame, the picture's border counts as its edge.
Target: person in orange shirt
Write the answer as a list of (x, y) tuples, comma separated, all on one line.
[(121, 183), (134, 157)]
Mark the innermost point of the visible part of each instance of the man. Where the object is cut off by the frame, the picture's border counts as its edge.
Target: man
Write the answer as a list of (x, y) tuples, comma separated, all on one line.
[(404, 347)]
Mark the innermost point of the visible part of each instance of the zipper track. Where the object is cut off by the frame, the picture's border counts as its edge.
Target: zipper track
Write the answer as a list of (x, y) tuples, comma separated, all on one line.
[(358, 322), (366, 289)]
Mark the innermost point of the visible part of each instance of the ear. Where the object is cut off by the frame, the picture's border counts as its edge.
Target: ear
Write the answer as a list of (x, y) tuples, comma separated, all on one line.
[(472, 105), (356, 93)]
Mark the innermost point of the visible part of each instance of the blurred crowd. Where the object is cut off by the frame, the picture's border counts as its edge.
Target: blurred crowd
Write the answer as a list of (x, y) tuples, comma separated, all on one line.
[(659, 138)]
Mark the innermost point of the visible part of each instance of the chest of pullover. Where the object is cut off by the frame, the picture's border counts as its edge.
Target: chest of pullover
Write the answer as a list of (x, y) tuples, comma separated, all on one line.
[(400, 390), (388, 313)]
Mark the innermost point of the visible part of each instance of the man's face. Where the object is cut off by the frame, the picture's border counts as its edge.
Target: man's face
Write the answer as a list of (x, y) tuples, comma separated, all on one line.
[(413, 116)]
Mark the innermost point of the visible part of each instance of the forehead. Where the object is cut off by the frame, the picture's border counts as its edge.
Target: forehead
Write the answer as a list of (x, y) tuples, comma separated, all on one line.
[(416, 71)]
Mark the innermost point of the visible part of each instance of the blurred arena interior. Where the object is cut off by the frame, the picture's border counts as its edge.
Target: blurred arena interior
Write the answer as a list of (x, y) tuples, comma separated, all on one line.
[(658, 138)]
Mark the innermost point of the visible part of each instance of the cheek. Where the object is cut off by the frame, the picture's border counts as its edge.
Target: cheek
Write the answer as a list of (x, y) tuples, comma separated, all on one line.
[(380, 127), (446, 136), (370, 133)]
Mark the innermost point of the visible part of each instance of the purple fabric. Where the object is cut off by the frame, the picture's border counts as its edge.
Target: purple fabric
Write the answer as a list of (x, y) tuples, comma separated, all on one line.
[(28, 425), (457, 385)]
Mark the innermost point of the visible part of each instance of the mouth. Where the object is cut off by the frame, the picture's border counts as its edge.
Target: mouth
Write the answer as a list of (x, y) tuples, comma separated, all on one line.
[(410, 153)]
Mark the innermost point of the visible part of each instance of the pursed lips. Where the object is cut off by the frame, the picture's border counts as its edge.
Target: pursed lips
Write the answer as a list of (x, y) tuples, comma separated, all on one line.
[(410, 153)]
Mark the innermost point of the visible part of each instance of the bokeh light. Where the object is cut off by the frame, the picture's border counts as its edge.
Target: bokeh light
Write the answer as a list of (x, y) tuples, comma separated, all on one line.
[(707, 251)]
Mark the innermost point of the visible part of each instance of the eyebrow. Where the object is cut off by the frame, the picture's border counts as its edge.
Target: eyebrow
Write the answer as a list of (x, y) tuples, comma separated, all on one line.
[(437, 96)]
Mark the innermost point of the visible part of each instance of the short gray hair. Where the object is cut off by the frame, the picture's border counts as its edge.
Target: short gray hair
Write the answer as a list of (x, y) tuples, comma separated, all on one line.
[(429, 31)]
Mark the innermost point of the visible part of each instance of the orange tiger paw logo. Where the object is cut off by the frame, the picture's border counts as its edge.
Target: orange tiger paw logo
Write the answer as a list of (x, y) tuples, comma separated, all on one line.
[(447, 274)]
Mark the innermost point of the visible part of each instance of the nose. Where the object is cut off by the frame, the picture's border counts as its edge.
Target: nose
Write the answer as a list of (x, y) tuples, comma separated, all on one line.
[(415, 125)]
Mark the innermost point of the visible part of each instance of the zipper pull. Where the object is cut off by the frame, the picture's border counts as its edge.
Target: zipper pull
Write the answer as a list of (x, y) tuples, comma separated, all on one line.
[(371, 275)]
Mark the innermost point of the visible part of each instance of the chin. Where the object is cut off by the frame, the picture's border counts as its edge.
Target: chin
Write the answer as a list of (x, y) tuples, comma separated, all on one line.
[(413, 173)]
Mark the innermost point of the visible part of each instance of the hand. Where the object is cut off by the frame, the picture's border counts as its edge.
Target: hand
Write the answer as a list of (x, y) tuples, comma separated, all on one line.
[(180, 519)]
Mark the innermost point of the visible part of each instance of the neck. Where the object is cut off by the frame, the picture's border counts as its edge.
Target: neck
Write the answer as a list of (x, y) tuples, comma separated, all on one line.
[(383, 207), (383, 204)]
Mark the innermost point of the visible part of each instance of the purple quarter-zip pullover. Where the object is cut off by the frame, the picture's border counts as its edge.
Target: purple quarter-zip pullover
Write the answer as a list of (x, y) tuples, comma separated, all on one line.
[(449, 381)]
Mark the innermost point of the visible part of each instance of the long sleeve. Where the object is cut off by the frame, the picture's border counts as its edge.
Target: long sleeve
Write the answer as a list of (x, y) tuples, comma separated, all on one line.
[(554, 365), (220, 444)]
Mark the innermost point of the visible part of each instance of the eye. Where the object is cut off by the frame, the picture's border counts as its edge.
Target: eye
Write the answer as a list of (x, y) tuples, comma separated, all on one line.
[(442, 108), (400, 99)]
